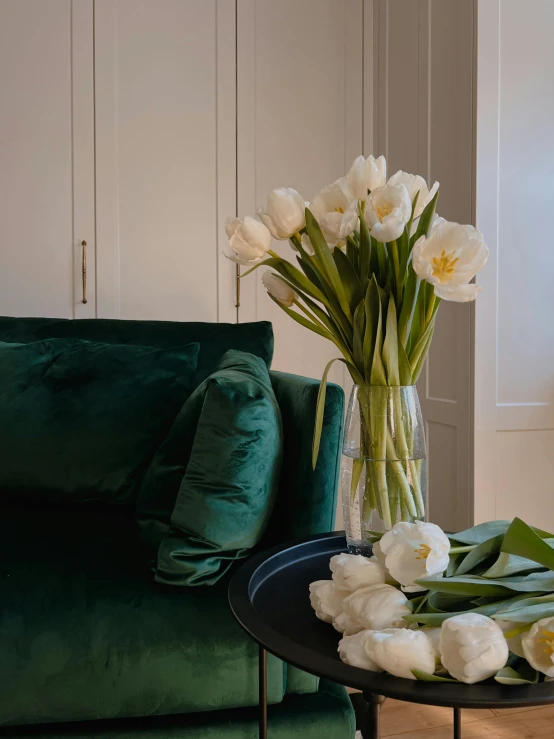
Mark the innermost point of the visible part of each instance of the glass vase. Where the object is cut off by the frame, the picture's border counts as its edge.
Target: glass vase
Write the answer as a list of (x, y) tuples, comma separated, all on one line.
[(384, 462)]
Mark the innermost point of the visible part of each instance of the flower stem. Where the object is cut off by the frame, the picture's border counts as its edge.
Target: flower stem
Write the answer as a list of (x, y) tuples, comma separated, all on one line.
[(461, 550)]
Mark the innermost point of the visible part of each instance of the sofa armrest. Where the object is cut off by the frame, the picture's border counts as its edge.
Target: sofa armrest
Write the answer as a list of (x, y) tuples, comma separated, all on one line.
[(307, 498)]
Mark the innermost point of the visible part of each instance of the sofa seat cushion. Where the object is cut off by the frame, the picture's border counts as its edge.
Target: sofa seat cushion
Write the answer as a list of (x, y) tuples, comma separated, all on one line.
[(85, 632), (326, 714), (214, 338)]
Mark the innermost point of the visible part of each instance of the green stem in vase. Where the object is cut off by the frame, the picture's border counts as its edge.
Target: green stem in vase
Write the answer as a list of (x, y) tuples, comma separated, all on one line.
[(415, 474)]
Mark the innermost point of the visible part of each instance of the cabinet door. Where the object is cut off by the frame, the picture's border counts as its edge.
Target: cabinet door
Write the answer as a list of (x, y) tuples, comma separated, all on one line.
[(157, 133), (46, 156)]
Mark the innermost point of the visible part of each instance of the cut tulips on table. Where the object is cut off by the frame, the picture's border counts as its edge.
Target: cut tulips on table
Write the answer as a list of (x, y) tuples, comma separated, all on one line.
[(467, 607)]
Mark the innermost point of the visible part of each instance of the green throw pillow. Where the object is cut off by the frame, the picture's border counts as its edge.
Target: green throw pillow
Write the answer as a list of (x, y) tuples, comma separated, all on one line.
[(226, 496), (80, 421)]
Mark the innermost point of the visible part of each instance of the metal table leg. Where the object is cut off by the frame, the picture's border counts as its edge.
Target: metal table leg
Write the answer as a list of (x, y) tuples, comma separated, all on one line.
[(368, 719), (457, 723), (262, 692)]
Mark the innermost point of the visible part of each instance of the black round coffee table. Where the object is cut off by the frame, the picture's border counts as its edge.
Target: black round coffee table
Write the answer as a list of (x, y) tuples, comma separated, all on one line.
[(269, 597)]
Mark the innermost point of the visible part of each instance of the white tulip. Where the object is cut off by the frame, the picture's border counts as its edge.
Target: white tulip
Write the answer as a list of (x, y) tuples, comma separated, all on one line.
[(538, 646), (414, 551), (399, 651), (433, 633), (347, 624), (387, 211), (249, 240), (279, 289), (284, 213), (377, 607), (352, 571), (352, 652), (306, 245), (366, 174), (414, 184), (473, 647), (379, 557), (336, 211), (515, 644), (449, 258), (326, 600)]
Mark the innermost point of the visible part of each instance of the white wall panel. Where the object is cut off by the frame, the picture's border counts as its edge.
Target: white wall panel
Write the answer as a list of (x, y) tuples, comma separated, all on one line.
[(525, 476), (514, 390)]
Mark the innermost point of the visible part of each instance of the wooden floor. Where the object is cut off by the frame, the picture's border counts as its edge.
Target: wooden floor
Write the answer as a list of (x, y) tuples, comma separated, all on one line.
[(410, 721)]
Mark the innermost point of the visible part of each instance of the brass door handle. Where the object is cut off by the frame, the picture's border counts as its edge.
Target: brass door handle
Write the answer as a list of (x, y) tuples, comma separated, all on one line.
[(237, 279), (84, 269)]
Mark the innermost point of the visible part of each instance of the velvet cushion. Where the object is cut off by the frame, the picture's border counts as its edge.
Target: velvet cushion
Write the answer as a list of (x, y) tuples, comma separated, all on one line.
[(214, 338), (80, 421), (227, 494), (86, 633)]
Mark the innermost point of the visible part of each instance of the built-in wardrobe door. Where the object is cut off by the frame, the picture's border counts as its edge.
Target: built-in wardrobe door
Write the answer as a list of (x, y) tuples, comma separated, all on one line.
[(46, 157), (164, 102)]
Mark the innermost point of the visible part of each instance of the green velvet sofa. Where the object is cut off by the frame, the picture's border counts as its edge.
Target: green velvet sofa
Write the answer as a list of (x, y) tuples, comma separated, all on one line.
[(91, 646)]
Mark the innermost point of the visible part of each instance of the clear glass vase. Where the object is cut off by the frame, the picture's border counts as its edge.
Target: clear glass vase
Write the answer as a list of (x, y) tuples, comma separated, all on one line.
[(384, 462)]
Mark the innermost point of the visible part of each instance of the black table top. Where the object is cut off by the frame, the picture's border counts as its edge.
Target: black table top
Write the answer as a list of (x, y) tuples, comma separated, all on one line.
[(269, 597)]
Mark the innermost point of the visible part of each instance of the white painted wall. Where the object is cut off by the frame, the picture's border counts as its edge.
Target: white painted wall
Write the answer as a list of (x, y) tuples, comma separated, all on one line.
[(514, 342)]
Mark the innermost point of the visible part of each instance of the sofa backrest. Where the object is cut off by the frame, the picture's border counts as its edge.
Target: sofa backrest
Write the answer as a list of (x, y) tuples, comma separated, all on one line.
[(214, 338)]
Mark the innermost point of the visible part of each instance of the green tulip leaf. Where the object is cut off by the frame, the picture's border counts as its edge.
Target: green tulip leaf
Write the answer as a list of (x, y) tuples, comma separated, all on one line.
[(359, 329), (508, 565), (425, 219), (481, 552), (366, 254), (436, 619), (377, 376), (302, 320), (482, 532), (390, 346), (352, 252), (527, 610), (331, 301), (425, 676), (326, 262), (404, 366), (520, 539), (349, 278), (320, 409), (409, 300), (542, 582), (372, 310), (524, 675), (444, 602)]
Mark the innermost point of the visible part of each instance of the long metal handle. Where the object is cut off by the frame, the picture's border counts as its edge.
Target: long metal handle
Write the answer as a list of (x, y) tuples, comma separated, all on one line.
[(237, 279), (84, 269)]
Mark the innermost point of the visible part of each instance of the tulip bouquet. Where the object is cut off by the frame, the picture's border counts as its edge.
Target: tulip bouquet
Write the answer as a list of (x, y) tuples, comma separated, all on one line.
[(374, 262), (465, 607)]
